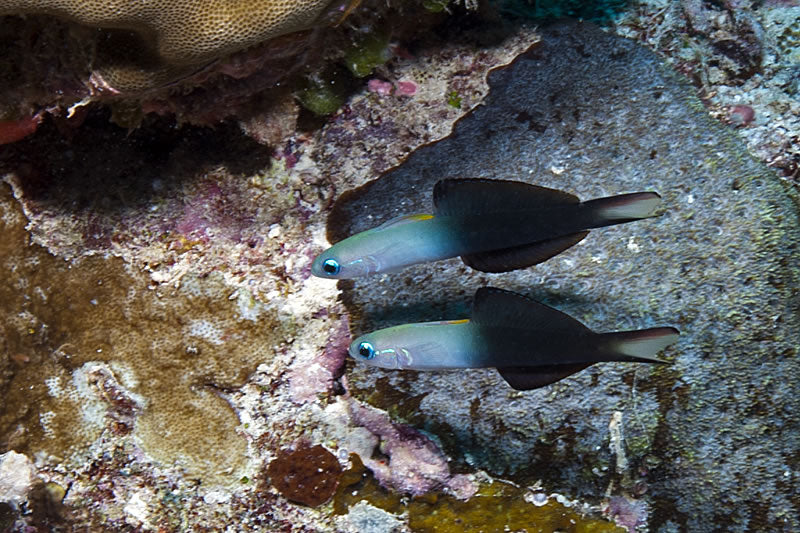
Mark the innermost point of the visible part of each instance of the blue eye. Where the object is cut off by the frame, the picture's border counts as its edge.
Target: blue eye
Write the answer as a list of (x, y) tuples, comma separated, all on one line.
[(331, 266), (366, 350)]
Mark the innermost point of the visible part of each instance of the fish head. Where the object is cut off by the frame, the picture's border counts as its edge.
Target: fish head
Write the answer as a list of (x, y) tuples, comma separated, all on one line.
[(350, 258), (378, 349)]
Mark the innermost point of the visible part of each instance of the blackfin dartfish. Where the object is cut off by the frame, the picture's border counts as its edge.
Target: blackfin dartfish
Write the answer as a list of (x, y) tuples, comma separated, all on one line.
[(530, 344), (494, 225)]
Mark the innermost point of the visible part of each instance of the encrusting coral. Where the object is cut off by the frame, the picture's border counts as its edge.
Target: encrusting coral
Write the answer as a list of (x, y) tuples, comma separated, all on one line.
[(158, 42), (308, 475)]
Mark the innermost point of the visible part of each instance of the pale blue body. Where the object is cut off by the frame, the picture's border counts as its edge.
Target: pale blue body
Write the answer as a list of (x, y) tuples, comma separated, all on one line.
[(425, 346), (392, 246)]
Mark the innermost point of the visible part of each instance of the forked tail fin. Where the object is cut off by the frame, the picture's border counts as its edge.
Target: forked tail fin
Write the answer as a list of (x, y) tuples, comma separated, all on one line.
[(624, 207), (641, 345)]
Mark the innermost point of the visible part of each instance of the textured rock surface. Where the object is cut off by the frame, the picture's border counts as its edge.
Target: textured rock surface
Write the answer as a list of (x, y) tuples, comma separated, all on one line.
[(205, 237), (714, 435), (17, 476)]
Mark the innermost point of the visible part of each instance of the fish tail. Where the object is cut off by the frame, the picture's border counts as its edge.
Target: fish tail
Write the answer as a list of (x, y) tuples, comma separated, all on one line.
[(624, 207), (641, 345)]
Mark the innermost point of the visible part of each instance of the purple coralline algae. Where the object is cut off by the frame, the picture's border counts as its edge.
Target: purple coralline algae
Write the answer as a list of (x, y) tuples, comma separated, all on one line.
[(410, 462)]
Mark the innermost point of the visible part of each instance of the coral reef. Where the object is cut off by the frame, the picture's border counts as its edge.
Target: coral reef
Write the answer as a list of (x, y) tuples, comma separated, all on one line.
[(248, 71), (415, 464), (92, 342), (156, 400), (496, 506), (17, 477), (736, 53)]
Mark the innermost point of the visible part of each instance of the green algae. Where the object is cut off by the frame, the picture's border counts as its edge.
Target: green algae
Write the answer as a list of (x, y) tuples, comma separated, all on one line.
[(454, 99), (323, 94), (369, 53), (496, 506), (435, 6)]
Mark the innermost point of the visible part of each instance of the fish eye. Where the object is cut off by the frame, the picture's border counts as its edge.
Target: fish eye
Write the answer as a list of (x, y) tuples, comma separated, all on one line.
[(366, 350), (331, 266)]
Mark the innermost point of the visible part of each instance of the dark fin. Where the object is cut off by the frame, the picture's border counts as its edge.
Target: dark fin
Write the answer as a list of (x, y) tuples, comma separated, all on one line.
[(623, 208), (640, 345), (496, 307), (477, 196), (534, 377), (517, 257)]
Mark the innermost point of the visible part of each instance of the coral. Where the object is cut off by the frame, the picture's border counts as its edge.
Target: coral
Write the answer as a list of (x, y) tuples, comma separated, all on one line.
[(93, 342), (314, 371), (172, 39), (364, 518), (308, 475), (686, 34), (628, 513)]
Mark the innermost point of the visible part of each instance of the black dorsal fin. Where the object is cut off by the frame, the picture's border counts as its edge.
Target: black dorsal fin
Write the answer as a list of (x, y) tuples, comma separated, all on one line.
[(517, 257), (455, 196), (499, 308), (534, 377)]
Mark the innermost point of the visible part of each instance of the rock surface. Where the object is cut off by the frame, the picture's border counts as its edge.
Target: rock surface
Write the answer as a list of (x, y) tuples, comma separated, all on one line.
[(163, 342), (712, 437)]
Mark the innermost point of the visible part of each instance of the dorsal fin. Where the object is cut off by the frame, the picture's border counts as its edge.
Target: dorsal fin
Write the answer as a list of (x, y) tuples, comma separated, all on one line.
[(405, 219), (534, 377), (496, 307), (475, 196), (517, 257)]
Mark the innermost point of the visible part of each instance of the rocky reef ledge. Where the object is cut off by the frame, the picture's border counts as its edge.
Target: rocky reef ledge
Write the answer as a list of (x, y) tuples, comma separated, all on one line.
[(168, 363)]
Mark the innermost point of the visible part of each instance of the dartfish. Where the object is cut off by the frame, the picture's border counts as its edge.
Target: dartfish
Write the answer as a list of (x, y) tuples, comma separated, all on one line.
[(494, 225), (530, 344)]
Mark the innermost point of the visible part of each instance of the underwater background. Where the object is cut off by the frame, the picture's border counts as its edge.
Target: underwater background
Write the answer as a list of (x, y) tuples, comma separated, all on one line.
[(169, 363)]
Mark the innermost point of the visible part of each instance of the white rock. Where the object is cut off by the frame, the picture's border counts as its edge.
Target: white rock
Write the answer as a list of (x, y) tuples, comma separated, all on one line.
[(17, 476)]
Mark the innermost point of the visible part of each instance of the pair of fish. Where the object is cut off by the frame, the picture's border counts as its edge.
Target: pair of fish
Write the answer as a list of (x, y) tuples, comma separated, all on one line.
[(495, 226)]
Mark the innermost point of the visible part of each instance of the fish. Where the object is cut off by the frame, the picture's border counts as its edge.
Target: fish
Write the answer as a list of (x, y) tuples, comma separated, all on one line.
[(529, 343), (493, 225)]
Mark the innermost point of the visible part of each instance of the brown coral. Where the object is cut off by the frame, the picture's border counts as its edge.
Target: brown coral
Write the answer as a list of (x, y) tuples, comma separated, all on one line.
[(307, 475), (153, 43)]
